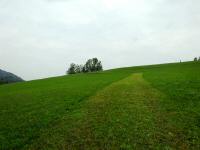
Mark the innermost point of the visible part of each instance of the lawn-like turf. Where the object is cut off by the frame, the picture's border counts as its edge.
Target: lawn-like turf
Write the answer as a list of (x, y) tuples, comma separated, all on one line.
[(156, 107)]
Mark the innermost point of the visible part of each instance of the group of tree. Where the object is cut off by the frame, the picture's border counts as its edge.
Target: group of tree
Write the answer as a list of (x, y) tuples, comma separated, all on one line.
[(92, 65), (197, 59)]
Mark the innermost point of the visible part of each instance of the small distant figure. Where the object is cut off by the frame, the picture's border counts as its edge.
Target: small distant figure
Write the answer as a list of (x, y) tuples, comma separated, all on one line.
[(180, 61), (195, 59)]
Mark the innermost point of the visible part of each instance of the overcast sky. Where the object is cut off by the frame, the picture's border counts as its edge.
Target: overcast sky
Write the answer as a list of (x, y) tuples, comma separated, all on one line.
[(40, 38)]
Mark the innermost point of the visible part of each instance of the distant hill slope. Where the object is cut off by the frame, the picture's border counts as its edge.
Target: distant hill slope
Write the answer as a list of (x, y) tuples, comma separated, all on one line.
[(7, 77)]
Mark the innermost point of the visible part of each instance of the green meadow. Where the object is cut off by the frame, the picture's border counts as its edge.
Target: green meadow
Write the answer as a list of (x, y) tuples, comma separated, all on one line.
[(145, 107)]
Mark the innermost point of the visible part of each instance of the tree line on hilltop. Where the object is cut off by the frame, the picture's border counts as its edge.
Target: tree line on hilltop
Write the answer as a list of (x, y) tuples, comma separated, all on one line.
[(91, 65), (197, 59)]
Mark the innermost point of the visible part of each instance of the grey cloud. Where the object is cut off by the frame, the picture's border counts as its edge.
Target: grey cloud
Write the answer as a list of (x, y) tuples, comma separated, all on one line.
[(40, 38)]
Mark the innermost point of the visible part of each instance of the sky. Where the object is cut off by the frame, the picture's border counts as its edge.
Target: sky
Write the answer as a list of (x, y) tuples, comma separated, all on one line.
[(40, 38)]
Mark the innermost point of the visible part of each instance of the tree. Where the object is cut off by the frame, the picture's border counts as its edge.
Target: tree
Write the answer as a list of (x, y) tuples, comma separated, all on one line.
[(88, 65), (94, 64), (81, 68), (91, 65), (195, 59), (77, 69), (84, 70), (72, 69), (99, 66)]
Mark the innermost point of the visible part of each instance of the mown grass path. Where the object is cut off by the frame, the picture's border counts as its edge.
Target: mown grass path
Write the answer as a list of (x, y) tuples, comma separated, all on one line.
[(145, 107), (124, 115), (120, 116), (28, 108)]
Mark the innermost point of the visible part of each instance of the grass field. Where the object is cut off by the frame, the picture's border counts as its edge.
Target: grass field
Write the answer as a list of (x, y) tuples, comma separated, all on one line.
[(147, 107)]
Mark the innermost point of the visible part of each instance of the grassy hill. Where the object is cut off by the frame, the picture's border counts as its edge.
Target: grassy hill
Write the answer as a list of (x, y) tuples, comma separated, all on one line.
[(147, 107)]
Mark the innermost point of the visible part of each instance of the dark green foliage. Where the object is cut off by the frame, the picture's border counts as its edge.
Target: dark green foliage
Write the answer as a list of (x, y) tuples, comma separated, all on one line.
[(195, 59), (99, 66), (72, 69), (92, 65), (78, 68)]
